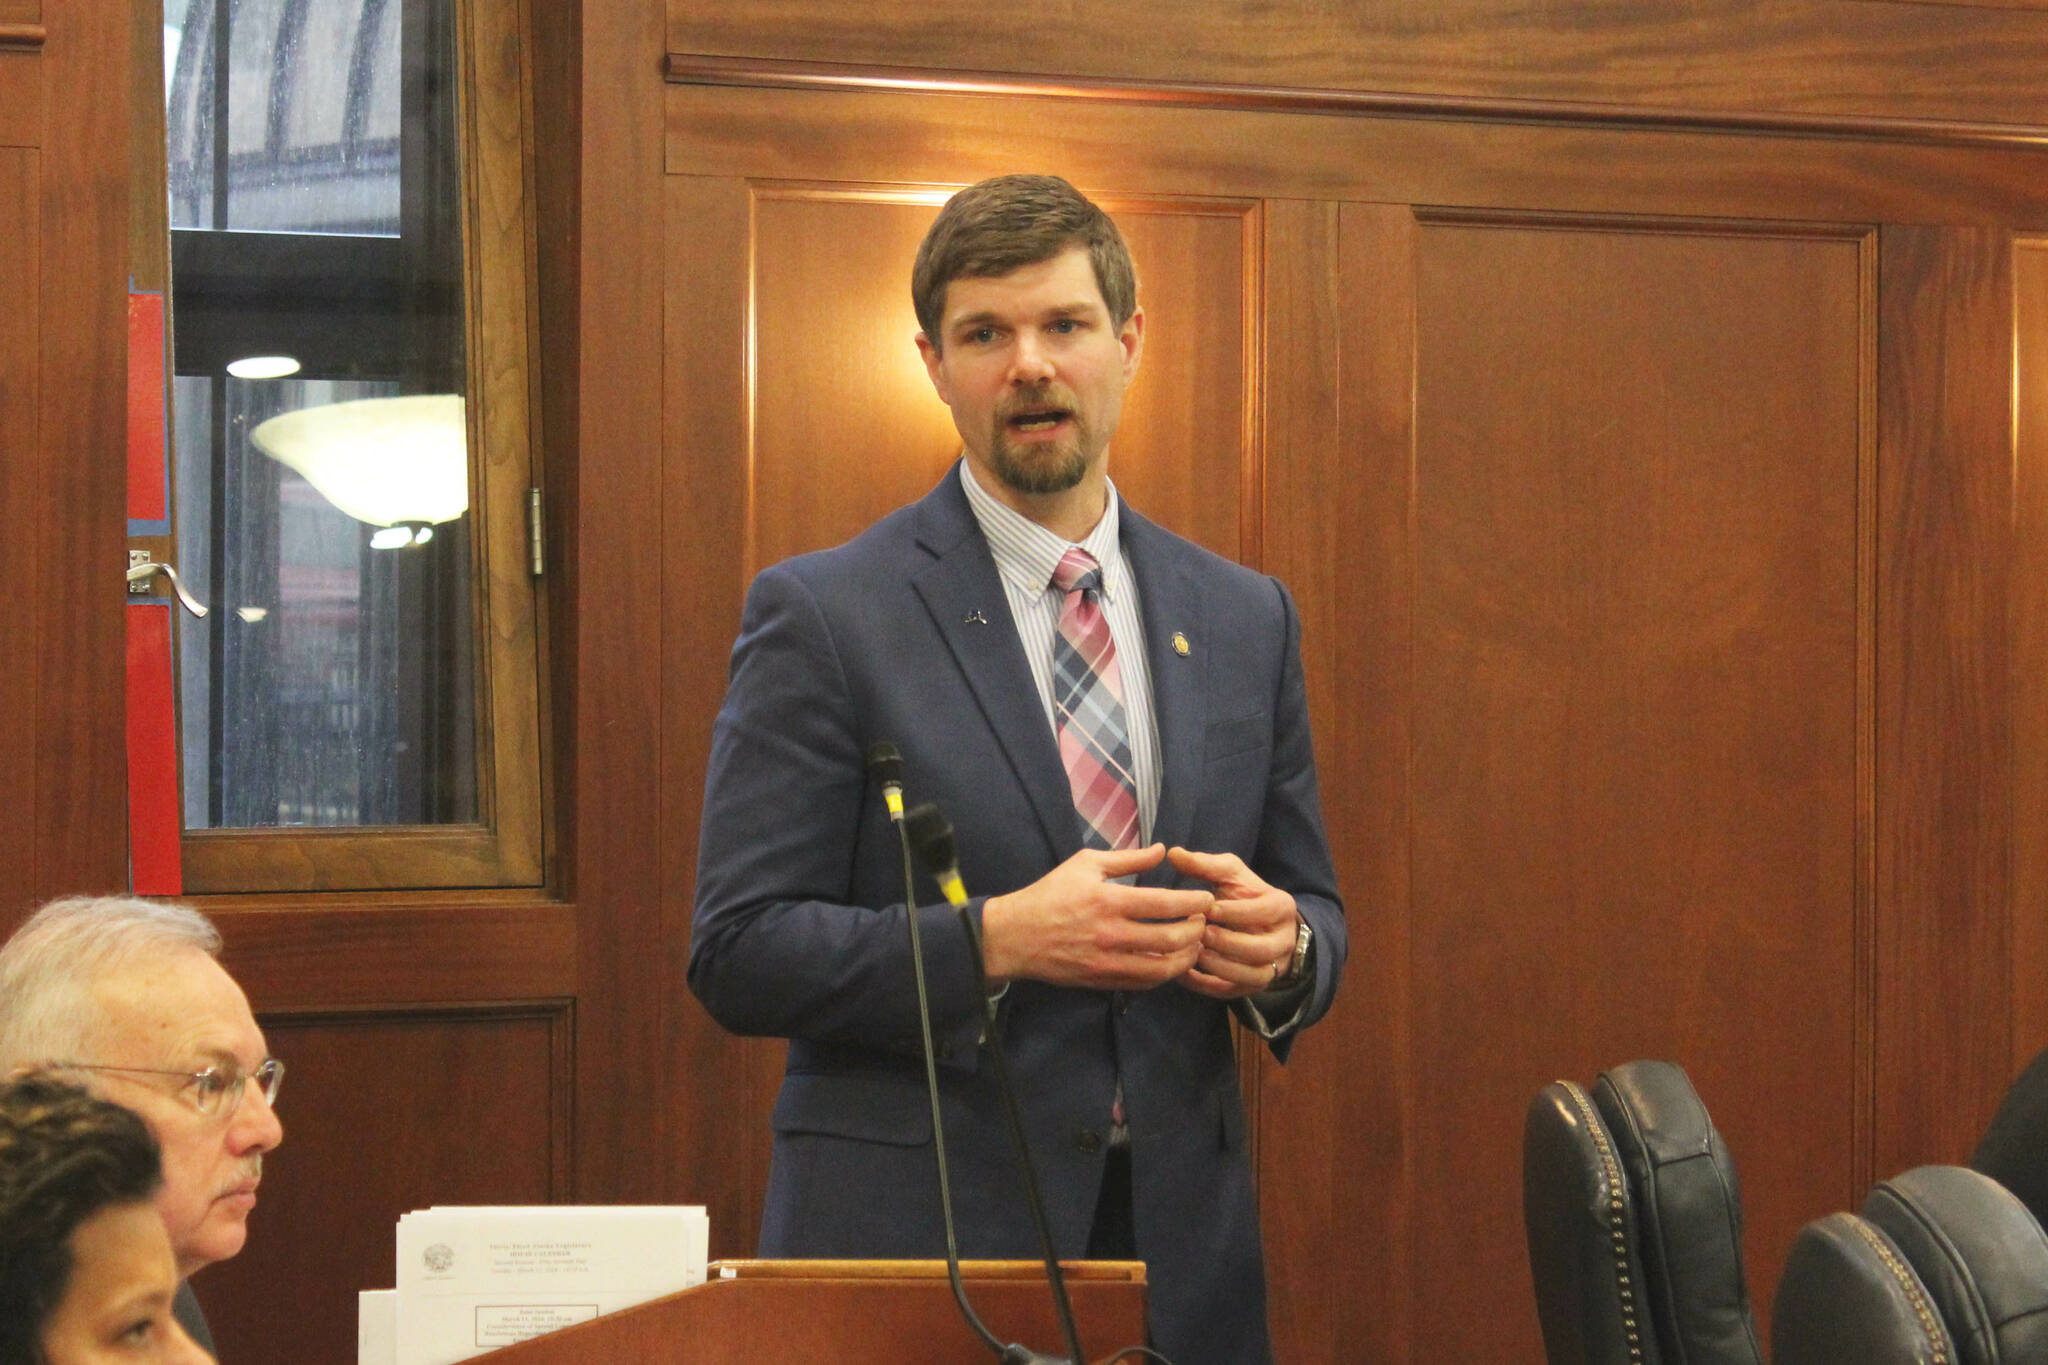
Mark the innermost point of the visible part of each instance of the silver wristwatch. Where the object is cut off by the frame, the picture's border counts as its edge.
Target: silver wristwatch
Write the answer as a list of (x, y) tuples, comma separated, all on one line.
[(1304, 938)]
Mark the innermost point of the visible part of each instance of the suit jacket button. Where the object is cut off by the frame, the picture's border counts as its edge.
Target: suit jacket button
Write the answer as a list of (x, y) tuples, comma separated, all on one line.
[(1088, 1140)]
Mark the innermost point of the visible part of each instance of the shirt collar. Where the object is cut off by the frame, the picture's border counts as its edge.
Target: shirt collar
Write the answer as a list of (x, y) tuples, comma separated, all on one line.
[(1026, 553)]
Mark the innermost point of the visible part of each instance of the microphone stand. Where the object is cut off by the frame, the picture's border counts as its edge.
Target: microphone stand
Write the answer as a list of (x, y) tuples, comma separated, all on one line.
[(887, 765), (932, 834)]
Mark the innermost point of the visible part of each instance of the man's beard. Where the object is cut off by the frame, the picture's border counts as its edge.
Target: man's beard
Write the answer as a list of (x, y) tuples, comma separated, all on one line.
[(1038, 468)]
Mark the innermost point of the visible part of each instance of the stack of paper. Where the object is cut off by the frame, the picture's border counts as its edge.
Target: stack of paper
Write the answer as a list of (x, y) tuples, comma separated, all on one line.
[(473, 1279)]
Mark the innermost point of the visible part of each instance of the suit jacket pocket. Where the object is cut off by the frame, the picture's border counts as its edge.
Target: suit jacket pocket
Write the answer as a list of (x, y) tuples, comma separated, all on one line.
[(864, 1105), (1227, 738)]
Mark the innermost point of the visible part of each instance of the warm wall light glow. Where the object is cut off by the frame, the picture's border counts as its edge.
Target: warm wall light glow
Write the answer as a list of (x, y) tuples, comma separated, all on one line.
[(263, 366), (401, 463)]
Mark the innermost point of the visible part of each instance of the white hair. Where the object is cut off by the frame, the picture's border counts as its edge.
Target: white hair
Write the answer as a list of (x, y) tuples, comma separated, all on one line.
[(48, 1012)]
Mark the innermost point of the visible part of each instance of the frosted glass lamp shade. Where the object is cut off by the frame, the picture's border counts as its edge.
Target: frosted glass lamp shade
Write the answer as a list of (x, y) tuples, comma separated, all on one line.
[(385, 461)]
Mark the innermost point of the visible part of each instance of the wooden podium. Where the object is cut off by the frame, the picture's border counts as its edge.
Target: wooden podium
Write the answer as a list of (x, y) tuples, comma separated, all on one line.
[(818, 1312)]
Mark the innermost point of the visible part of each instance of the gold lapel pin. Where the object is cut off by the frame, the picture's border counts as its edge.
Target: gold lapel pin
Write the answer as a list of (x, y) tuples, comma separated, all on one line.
[(1180, 644)]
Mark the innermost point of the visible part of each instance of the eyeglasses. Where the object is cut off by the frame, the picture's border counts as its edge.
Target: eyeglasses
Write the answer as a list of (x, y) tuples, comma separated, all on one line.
[(215, 1092)]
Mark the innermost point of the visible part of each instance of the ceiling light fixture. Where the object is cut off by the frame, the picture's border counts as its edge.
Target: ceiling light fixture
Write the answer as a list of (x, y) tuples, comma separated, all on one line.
[(398, 463), (263, 366)]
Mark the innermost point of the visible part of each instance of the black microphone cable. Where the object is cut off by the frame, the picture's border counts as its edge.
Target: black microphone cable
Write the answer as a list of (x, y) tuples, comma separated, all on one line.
[(885, 762), (932, 835)]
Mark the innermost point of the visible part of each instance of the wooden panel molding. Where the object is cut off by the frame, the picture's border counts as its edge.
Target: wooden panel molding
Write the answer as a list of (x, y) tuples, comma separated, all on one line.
[(29, 36), (1973, 4), (78, 507), (386, 1111), (1339, 382), (690, 68), (404, 950), (869, 137), (20, 352), (1638, 676), (1817, 57), (1944, 730), (633, 926), (2029, 625), (703, 471)]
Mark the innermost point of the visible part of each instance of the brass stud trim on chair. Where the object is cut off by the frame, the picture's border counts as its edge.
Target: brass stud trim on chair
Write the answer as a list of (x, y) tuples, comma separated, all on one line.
[(1617, 1217), (1930, 1321)]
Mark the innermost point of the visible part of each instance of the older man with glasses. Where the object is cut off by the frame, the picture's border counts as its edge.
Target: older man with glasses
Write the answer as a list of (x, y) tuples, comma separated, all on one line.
[(127, 997)]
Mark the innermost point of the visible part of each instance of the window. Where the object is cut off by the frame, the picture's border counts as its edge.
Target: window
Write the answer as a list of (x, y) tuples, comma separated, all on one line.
[(352, 436)]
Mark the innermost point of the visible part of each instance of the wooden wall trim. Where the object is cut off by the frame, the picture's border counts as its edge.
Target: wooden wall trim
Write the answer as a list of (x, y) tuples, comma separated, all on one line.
[(1944, 722), (79, 518), (690, 68), (634, 925), (294, 960), (22, 35), (2027, 615)]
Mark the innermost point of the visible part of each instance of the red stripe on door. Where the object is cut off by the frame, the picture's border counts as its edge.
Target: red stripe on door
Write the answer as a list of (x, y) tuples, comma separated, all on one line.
[(153, 820), (146, 408)]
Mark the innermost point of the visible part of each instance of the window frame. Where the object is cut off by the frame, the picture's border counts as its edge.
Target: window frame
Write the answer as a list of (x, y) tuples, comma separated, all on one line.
[(506, 845)]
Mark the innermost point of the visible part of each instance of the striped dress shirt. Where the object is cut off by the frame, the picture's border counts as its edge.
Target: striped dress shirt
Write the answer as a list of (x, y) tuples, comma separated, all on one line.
[(1026, 554)]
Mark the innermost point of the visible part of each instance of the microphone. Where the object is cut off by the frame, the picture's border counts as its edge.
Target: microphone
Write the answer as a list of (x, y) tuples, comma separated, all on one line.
[(885, 762), (931, 834), (885, 765)]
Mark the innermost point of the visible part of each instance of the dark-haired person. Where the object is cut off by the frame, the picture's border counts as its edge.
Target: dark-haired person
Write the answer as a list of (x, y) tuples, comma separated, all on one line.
[(126, 997), (1115, 722), (86, 1270)]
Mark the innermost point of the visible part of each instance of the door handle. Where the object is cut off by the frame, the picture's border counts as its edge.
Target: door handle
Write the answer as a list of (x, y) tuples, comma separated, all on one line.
[(140, 574)]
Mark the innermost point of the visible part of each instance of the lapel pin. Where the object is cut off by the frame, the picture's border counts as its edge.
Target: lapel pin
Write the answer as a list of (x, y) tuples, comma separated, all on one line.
[(975, 618), (1180, 644)]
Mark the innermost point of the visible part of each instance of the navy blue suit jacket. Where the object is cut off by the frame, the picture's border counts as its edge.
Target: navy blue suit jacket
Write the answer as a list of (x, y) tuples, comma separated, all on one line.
[(904, 634)]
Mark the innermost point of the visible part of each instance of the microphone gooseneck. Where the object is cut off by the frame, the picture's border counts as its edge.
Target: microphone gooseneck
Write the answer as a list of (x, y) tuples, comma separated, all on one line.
[(885, 763), (927, 830)]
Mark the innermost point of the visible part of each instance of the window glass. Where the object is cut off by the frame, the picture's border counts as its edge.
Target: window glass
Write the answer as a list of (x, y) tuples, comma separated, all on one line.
[(321, 502)]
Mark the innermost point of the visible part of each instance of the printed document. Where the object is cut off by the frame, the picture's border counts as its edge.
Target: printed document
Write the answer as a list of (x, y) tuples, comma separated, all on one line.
[(473, 1279)]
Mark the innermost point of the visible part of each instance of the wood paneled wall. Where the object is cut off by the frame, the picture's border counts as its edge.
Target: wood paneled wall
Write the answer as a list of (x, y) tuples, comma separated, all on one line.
[(381, 1081), (1626, 390), (63, 336), (1825, 57), (1646, 481)]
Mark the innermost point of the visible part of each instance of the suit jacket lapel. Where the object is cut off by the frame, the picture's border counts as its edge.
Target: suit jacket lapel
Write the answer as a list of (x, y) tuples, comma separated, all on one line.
[(1170, 600), (963, 591)]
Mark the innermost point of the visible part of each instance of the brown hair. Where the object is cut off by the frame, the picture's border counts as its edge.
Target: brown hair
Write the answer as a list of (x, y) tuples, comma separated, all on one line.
[(64, 1156), (1011, 221)]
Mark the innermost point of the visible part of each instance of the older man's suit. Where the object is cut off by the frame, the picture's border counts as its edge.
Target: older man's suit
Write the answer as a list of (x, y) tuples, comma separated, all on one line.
[(904, 634)]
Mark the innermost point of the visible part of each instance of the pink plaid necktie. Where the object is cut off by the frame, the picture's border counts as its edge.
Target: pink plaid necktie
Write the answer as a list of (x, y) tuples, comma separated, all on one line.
[(1088, 703)]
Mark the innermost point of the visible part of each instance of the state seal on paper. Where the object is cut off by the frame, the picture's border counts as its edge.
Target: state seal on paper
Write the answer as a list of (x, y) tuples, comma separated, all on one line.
[(439, 1257)]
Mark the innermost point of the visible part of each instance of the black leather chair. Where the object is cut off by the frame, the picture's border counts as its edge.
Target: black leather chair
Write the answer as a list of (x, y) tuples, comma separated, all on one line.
[(1688, 1207), (1580, 1221), (1848, 1294), (1634, 1219), (1981, 1254), (1943, 1267), (2014, 1151)]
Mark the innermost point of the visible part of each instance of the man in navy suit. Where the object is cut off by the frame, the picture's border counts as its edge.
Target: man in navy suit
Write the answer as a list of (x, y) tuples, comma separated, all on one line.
[(1147, 818)]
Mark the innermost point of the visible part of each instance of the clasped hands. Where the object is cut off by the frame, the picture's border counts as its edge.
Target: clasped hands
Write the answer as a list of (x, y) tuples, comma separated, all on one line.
[(1078, 926)]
